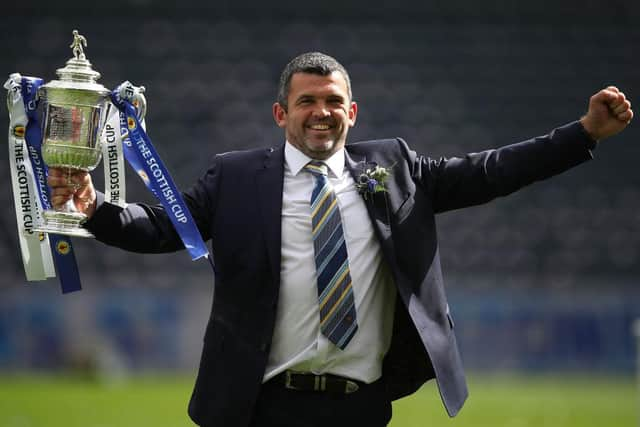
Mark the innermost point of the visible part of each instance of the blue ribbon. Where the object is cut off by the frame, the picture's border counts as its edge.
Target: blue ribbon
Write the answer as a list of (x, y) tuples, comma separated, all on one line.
[(61, 248), (142, 156)]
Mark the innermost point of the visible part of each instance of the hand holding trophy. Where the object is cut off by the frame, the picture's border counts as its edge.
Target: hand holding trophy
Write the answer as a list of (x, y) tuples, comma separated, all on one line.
[(82, 122), (81, 193)]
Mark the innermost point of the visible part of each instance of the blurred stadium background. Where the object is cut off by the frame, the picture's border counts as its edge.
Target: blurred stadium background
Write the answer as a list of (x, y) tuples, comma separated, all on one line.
[(543, 283)]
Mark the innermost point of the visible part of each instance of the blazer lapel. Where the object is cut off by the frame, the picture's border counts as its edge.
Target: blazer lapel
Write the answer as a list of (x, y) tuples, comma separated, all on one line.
[(269, 181), (378, 204)]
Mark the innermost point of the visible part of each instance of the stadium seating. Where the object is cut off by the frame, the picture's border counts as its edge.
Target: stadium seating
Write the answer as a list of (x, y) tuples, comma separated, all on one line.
[(447, 86)]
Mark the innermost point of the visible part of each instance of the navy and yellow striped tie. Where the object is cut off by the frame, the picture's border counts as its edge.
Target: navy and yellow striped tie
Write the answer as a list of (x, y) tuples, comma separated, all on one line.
[(335, 293)]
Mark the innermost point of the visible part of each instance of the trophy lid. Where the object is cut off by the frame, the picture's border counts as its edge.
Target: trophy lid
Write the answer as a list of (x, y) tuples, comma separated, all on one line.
[(78, 72)]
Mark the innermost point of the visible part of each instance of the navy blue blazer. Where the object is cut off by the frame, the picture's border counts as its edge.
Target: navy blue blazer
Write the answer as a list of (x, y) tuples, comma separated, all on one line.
[(237, 205)]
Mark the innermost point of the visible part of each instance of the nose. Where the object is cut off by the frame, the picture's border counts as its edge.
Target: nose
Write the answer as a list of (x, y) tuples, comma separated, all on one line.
[(321, 111)]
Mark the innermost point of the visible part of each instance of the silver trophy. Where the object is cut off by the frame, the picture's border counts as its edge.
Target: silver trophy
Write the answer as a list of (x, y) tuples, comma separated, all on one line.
[(75, 111)]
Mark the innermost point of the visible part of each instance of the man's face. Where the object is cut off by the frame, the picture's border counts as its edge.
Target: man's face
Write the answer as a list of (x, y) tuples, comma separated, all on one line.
[(319, 114)]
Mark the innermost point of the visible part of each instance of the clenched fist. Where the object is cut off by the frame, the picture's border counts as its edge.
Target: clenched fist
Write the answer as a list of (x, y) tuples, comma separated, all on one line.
[(609, 113)]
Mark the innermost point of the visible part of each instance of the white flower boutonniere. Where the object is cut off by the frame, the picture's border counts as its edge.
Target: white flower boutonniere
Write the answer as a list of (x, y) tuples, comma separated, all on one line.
[(373, 180)]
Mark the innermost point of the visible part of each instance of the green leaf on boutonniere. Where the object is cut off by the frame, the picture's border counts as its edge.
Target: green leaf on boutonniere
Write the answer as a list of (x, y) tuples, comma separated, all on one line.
[(373, 180)]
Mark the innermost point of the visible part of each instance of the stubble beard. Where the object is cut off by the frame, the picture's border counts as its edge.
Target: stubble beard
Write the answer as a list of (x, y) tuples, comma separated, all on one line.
[(322, 150)]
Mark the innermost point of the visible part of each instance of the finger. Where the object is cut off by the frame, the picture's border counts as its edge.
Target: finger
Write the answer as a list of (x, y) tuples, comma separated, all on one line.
[(56, 181), (62, 182), (621, 108), (57, 172), (617, 101), (58, 200), (81, 183), (62, 191), (80, 177), (626, 116), (78, 174), (613, 88), (67, 172), (86, 192)]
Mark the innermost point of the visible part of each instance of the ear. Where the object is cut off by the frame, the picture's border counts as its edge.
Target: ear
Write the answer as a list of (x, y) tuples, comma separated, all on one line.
[(353, 113), (279, 115)]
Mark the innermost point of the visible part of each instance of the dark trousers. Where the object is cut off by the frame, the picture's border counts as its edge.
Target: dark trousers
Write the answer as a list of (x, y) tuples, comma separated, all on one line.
[(280, 407)]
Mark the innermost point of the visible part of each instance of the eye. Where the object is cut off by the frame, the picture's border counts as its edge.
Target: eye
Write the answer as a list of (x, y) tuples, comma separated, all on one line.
[(305, 101)]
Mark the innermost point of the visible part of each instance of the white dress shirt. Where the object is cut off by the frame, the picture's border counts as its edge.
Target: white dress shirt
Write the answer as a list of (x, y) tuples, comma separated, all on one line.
[(297, 342)]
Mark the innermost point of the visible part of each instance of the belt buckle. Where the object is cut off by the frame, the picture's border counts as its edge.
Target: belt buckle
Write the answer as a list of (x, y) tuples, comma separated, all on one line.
[(319, 383)]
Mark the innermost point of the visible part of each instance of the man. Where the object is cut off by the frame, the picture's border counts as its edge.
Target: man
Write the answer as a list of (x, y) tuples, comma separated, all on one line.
[(329, 299)]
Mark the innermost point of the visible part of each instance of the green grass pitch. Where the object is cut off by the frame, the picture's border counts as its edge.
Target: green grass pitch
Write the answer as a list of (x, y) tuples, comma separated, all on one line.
[(158, 401)]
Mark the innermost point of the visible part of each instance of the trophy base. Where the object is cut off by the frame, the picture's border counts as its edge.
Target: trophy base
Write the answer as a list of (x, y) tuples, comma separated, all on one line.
[(66, 223)]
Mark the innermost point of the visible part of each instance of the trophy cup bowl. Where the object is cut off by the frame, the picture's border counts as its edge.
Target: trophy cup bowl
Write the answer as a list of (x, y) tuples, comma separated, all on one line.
[(75, 111)]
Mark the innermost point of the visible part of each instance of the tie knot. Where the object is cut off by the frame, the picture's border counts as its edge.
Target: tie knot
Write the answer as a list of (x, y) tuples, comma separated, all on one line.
[(317, 167)]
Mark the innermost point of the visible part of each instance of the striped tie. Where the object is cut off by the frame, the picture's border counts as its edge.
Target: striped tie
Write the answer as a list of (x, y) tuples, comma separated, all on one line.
[(335, 294)]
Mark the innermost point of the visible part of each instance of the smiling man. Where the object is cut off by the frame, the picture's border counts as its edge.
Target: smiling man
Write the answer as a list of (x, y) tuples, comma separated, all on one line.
[(329, 297), (316, 110)]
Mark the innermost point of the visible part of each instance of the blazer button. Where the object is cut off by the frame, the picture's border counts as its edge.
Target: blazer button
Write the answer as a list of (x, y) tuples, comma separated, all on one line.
[(263, 347)]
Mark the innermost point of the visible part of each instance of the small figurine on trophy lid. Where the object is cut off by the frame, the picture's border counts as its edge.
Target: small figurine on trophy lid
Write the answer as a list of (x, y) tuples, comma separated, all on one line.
[(77, 45)]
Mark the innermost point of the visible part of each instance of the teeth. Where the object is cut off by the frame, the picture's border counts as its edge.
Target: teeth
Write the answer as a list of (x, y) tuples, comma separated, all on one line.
[(320, 127)]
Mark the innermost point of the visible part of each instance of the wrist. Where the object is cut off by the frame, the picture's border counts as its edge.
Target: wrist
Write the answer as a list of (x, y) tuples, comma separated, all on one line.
[(588, 132)]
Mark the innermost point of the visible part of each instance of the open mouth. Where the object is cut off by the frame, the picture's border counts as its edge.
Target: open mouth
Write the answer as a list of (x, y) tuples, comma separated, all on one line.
[(319, 127)]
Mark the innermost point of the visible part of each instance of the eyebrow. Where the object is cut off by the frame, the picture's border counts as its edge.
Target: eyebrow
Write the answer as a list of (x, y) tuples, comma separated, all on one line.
[(308, 97), (304, 97)]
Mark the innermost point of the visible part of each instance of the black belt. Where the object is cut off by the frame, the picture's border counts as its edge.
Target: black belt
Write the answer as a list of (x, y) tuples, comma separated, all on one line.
[(311, 382)]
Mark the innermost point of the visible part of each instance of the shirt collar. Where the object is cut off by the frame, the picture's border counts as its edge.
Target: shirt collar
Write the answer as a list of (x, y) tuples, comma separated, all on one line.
[(296, 160)]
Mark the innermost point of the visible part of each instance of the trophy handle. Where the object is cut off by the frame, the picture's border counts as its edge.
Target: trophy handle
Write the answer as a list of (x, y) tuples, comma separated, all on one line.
[(133, 94), (140, 102)]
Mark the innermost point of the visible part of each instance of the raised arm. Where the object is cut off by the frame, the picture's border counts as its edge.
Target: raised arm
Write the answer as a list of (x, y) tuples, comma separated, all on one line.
[(479, 177)]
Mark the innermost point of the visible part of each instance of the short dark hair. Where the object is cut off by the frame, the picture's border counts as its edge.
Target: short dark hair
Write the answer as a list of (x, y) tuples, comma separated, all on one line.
[(312, 63)]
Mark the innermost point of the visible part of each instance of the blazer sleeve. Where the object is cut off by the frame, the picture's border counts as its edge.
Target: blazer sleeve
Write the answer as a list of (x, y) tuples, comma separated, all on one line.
[(148, 229), (480, 177)]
